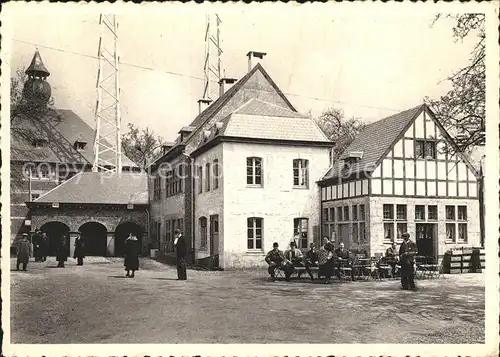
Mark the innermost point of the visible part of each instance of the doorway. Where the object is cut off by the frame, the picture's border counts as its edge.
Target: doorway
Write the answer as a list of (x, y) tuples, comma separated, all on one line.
[(426, 239), (55, 232), (94, 236), (214, 240)]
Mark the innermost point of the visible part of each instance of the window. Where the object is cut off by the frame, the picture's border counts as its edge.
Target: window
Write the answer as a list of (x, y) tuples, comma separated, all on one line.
[(30, 169), (332, 214), (254, 233), (168, 238), (34, 196), (300, 173), (355, 212), (207, 177), (425, 149), (254, 171), (462, 213), (401, 212), (326, 213), (420, 212), (174, 181), (450, 232), (401, 228), (300, 230), (419, 149), (432, 213), (339, 214), (450, 213), (430, 150), (200, 179), (361, 212), (355, 237), (203, 232), (346, 213), (40, 143), (156, 188), (44, 172), (388, 211), (389, 232), (216, 173), (462, 232), (80, 145), (362, 235)]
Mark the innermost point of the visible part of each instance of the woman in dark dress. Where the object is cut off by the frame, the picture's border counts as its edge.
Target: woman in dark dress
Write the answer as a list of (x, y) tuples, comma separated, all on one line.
[(62, 251), (79, 250), (131, 255)]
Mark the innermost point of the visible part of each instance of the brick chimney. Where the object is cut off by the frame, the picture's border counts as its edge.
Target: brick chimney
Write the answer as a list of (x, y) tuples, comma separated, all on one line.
[(226, 83), (254, 57)]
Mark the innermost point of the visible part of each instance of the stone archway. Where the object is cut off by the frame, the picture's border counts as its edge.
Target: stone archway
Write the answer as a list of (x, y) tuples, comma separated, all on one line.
[(94, 235), (121, 233), (55, 231)]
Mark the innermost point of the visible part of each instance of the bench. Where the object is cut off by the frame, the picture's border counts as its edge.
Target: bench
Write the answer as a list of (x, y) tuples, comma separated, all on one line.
[(298, 272)]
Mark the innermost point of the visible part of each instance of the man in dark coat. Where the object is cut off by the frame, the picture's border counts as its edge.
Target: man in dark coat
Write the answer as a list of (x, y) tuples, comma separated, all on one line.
[(342, 259), (325, 260), (274, 258), (181, 251), (62, 251), (44, 246), (407, 252), (311, 260), (24, 251), (79, 253), (131, 255), (36, 239)]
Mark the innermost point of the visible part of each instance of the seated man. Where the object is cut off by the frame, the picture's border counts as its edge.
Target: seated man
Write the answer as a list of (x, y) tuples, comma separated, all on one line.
[(274, 258), (342, 258), (391, 257), (312, 259), (293, 258)]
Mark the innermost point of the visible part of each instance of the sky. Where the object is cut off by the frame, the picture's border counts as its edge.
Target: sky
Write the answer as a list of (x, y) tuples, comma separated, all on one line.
[(371, 65)]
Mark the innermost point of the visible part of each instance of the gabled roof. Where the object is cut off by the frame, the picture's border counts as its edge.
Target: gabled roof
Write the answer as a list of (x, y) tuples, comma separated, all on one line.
[(205, 116), (100, 188), (375, 141), (62, 128)]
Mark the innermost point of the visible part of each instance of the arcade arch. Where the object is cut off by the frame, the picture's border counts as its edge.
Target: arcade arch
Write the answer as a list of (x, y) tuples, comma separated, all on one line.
[(94, 235)]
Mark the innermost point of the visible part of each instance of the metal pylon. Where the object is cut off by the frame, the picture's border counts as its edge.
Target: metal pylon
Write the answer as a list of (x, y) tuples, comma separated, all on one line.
[(213, 54), (107, 142)]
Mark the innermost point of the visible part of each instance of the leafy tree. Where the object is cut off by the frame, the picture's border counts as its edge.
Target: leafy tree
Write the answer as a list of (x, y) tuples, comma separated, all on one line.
[(462, 109), (340, 130), (142, 146)]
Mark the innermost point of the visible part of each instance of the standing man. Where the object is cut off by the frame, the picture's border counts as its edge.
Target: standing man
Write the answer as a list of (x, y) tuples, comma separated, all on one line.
[(407, 252), (37, 248), (24, 251), (181, 251), (44, 245), (62, 251), (274, 258), (131, 261), (79, 253)]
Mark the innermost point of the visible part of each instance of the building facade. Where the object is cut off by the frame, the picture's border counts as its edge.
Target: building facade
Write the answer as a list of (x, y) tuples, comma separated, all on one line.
[(241, 176), (402, 174)]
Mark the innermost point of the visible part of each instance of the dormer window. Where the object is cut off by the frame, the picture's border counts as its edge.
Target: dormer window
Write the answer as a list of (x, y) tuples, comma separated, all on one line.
[(80, 145), (40, 142), (351, 158), (186, 131)]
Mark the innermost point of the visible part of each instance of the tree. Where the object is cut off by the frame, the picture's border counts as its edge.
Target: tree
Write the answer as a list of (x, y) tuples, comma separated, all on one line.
[(462, 109), (141, 146), (339, 130)]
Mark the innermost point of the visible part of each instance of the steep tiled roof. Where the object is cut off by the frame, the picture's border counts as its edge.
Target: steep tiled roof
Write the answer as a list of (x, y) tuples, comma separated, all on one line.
[(100, 188), (374, 141), (61, 130), (261, 120)]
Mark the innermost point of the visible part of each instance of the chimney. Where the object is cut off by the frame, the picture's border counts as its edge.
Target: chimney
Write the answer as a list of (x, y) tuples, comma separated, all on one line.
[(224, 84), (254, 57), (203, 104)]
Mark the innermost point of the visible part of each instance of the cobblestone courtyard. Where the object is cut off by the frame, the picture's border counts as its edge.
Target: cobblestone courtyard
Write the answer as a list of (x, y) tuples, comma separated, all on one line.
[(95, 304)]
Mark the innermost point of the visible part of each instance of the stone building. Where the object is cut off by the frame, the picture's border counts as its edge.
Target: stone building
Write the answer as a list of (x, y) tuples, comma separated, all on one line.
[(241, 176), (48, 146), (397, 176)]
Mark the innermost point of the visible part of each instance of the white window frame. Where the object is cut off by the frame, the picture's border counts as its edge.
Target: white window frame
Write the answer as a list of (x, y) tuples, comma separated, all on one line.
[(300, 173), (253, 165), (253, 227)]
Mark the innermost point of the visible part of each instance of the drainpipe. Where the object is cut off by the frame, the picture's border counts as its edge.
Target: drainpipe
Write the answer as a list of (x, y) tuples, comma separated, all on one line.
[(147, 224)]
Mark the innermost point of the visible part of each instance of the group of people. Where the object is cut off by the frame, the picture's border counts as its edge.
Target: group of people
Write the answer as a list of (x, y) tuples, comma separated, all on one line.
[(330, 261), (38, 247)]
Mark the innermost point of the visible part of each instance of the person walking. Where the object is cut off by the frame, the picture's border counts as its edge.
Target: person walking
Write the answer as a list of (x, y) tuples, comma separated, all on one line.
[(407, 252), (79, 253), (62, 251), (24, 251), (131, 262), (181, 251)]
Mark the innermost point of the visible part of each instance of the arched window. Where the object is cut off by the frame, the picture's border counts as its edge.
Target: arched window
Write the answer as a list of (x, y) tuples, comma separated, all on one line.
[(203, 232), (255, 233)]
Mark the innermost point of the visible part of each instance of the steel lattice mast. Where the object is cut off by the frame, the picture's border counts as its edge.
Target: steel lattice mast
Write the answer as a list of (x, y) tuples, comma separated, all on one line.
[(212, 40), (107, 142)]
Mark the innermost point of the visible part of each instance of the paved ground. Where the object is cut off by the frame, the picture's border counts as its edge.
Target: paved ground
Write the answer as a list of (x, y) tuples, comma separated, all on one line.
[(95, 304)]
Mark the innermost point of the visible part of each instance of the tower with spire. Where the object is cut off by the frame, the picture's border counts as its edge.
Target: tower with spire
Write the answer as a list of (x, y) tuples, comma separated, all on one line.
[(36, 89)]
